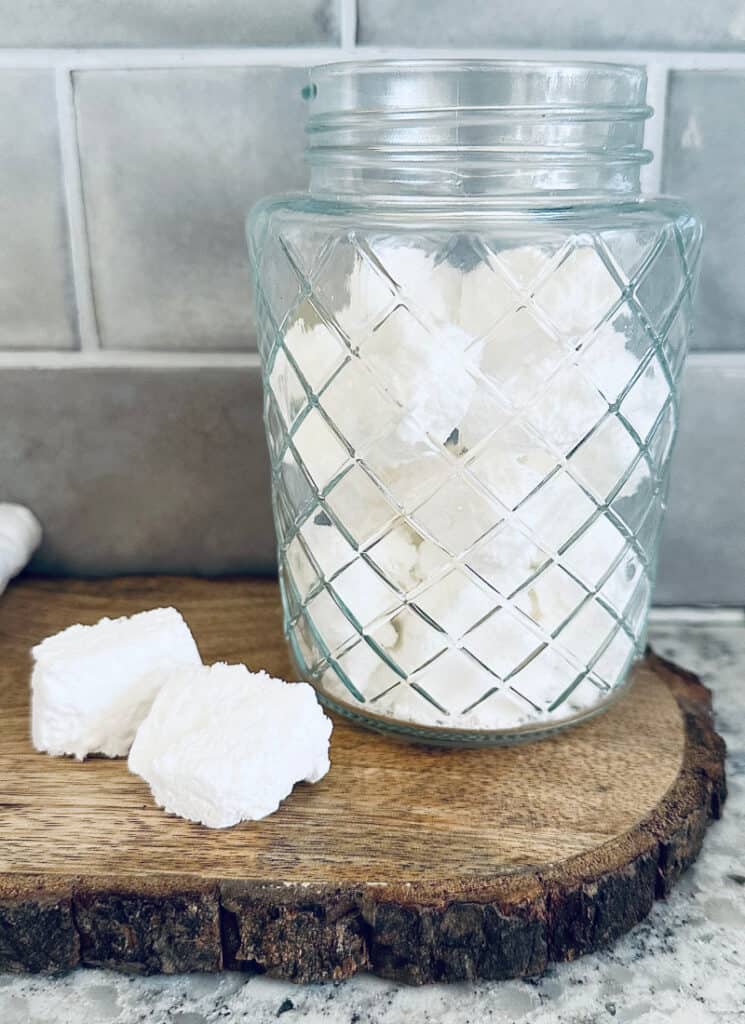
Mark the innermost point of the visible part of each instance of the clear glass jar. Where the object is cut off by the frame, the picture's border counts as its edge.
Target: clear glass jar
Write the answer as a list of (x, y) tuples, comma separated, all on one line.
[(471, 330)]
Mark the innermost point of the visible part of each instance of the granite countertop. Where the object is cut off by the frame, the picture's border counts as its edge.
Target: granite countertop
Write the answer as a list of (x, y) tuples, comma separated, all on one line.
[(684, 965)]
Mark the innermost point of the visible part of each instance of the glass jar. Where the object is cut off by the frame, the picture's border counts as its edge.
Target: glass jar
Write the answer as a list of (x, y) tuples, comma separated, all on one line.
[(472, 331)]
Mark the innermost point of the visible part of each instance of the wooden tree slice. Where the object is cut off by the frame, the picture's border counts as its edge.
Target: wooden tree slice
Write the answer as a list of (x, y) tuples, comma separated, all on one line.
[(416, 863)]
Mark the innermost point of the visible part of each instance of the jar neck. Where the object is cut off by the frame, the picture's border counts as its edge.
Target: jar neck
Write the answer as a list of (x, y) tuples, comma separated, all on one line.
[(468, 129)]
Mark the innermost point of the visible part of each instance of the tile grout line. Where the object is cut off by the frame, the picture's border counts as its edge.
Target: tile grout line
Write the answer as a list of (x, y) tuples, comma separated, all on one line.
[(658, 77), (74, 202), (180, 359), (720, 359), (123, 58), (126, 359), (679, 60), (166, 58), (664, 615), (348, 25)]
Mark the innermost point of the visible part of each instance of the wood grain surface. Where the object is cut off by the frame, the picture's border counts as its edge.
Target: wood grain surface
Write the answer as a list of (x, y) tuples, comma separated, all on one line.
[(418, 863)]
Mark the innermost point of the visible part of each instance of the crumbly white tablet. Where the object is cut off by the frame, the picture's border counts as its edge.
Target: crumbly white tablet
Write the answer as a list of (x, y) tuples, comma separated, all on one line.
[(93, 685), (222, 744)]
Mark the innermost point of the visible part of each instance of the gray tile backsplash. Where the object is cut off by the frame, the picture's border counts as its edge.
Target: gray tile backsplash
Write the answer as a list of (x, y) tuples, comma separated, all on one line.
[(168, 23), (171, 162), (139, 469), (704, 159), (36, 302), (180, 118), (658, 24), (702, 559), (165, 470)]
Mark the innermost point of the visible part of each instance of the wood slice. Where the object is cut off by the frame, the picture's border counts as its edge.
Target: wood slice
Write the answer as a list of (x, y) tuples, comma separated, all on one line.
[(419, 864)]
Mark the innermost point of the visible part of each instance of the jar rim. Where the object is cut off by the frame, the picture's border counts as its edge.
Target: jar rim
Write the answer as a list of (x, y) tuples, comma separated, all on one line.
[(394, 84), (437, 63), (469, 125)]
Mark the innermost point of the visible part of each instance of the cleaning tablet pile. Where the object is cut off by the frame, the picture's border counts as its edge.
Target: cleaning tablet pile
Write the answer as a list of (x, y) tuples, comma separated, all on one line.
[(223, 745), (217, 744)]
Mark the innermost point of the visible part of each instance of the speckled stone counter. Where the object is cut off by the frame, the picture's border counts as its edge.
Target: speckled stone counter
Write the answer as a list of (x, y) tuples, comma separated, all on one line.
[(684, 965)]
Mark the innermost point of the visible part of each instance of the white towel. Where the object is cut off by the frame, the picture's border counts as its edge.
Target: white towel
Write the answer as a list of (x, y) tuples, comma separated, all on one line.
[(20, 536)]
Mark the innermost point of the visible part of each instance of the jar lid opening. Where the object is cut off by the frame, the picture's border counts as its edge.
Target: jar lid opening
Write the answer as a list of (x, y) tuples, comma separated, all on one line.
[(421, 84), (470, 124)]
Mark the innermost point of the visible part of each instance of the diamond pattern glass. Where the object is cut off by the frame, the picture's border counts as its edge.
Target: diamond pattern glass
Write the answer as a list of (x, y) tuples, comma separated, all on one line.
[(504, 642), (319, 449), (456, 602), (470, 436), (513, 464), (331, 550), (519, 356), (314, 346), (286, 390), (361, 424), (600, 290), (417, 641)]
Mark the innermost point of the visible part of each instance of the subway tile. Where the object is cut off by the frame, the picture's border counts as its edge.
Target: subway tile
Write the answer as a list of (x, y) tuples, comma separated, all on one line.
[(139, 469), (168, 23), (703, 161), (702, 558), (171, 162), (36, 299), (662, 24), (165, 471)]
